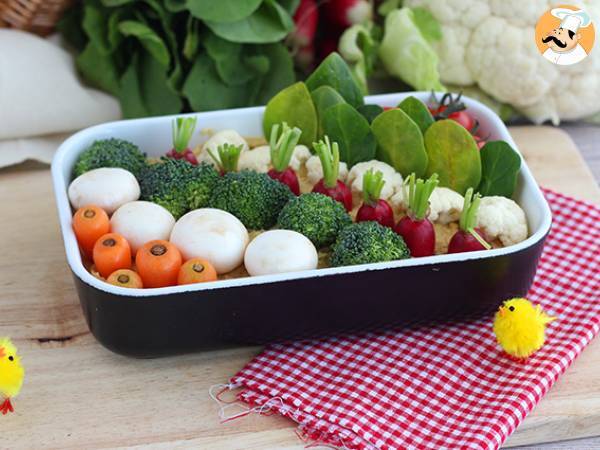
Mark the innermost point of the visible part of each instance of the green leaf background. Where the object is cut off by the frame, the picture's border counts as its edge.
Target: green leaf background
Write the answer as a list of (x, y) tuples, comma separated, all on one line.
[(168, 56)]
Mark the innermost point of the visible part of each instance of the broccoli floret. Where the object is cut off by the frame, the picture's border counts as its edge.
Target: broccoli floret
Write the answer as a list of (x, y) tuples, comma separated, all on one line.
[(316, 216), (178, 185), (111, 153), (367, 242), (254, 198)]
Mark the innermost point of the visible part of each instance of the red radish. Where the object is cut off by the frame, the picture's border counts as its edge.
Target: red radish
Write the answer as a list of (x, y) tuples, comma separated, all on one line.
[(183, 129), (327, 45), (415, 228), (282, 148), (227, 158), (345, 13), (306, 20), (468, 238), (329, 185), (374, 208)]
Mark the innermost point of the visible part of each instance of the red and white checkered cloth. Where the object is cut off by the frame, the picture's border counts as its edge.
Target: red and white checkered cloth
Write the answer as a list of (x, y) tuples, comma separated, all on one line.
[(444, 387)]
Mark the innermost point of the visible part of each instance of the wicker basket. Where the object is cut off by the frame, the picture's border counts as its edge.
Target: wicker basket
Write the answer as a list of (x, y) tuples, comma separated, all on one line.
[(37, 16)]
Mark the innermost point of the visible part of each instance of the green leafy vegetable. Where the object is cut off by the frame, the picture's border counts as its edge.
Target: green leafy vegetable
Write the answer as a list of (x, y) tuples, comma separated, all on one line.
[(417, 111), (269, 23), (294, 106), (222, 10), (325, 97), (400, 142), (369, 112), (334, 72), (453, 155), (427, 25), (500, 165), (346, 126), (359, 49), (407, 54)]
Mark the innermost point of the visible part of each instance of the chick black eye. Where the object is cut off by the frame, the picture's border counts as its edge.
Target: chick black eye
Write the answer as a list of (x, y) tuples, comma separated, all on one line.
[(10, 358), (511, 308)]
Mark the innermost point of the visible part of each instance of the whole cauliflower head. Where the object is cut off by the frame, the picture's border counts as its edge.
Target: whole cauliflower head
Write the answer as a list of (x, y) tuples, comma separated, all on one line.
[(445, 205), (491, 44), (314, 170), (501, 218), (231, 137), (393, 180), (259, 158)]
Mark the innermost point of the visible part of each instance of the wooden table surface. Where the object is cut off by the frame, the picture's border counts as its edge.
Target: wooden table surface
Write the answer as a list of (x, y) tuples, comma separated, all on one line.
[(77, 394)]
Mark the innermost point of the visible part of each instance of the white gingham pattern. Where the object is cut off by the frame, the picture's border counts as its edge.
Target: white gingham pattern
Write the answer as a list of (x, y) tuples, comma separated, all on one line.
[(444, 387)]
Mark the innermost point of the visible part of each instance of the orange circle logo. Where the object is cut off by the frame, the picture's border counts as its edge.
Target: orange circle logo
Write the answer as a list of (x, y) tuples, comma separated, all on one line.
[(565, 35)]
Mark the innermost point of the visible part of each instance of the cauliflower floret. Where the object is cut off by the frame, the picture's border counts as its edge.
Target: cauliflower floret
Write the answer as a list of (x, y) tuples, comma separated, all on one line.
[(219, 138), (445, 205), (259, 158), (314, 170), (299, 157), (393, 180), (487, 45), (502, 218)]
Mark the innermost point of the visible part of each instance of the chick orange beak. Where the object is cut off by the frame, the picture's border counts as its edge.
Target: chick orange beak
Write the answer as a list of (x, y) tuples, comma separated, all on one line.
[(502, 311)]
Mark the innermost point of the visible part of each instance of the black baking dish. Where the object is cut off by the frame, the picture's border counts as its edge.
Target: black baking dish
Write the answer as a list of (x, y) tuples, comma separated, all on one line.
[(256, 310)]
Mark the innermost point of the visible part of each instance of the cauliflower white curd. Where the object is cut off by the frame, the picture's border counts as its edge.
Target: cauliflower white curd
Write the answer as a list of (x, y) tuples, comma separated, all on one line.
[(501, 218), (393, 180), (445, 205), (314, 170)]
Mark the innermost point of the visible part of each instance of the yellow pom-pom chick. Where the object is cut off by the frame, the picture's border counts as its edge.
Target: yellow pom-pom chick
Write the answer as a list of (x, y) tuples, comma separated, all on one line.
[(520, 327), (11, 374)]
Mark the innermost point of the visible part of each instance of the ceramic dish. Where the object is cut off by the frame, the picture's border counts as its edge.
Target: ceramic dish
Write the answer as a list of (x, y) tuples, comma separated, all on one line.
[(255, 310)]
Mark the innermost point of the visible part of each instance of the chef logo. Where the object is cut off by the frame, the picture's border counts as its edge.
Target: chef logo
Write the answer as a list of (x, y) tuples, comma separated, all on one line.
[(565, 35)]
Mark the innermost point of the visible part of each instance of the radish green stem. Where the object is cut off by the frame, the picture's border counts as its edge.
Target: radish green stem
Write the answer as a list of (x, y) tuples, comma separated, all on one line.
[(329, 154), (419, 192), (468, 216), (183, 129), (373, 183), (282, 146), (228, 157)]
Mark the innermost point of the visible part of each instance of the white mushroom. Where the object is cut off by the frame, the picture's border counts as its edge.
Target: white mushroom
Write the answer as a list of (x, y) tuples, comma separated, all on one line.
[(445, 205), (212, 234), (108, 188), (393, 180), (279, 251), (140, 222), (231, 137), (314, 170)]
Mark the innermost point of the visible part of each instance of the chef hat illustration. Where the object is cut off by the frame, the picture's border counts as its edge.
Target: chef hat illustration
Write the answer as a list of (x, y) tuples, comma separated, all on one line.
[(572, 20)]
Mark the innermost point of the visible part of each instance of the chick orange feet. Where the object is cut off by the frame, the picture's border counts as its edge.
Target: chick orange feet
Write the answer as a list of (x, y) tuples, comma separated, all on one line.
[(6, 407)]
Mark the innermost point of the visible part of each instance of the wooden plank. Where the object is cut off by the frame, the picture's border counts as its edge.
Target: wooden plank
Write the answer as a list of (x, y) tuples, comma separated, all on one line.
[(77, 394)]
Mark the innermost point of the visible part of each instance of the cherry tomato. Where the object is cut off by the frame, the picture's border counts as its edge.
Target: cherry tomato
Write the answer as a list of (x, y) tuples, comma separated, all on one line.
[(480, 141)]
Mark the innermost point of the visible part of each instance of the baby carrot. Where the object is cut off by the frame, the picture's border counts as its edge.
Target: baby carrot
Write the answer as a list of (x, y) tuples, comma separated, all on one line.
[(158, 263), (125, 278), (196, 270), (111, 252), (89, 223)]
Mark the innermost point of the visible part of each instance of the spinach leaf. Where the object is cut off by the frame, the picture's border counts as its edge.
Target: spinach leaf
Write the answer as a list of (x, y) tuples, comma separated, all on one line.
[(175, 5), (453, 155), (274, 74), (222, 10), (98, 68), (293, 105), (334, 72), (144, 89), (346, 126), (500, 165), (269, 23), (148, 38), (289, 5), (369, 112), (206, 91), (417, 111), (227, 56), (400, 142), (324, 97)]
